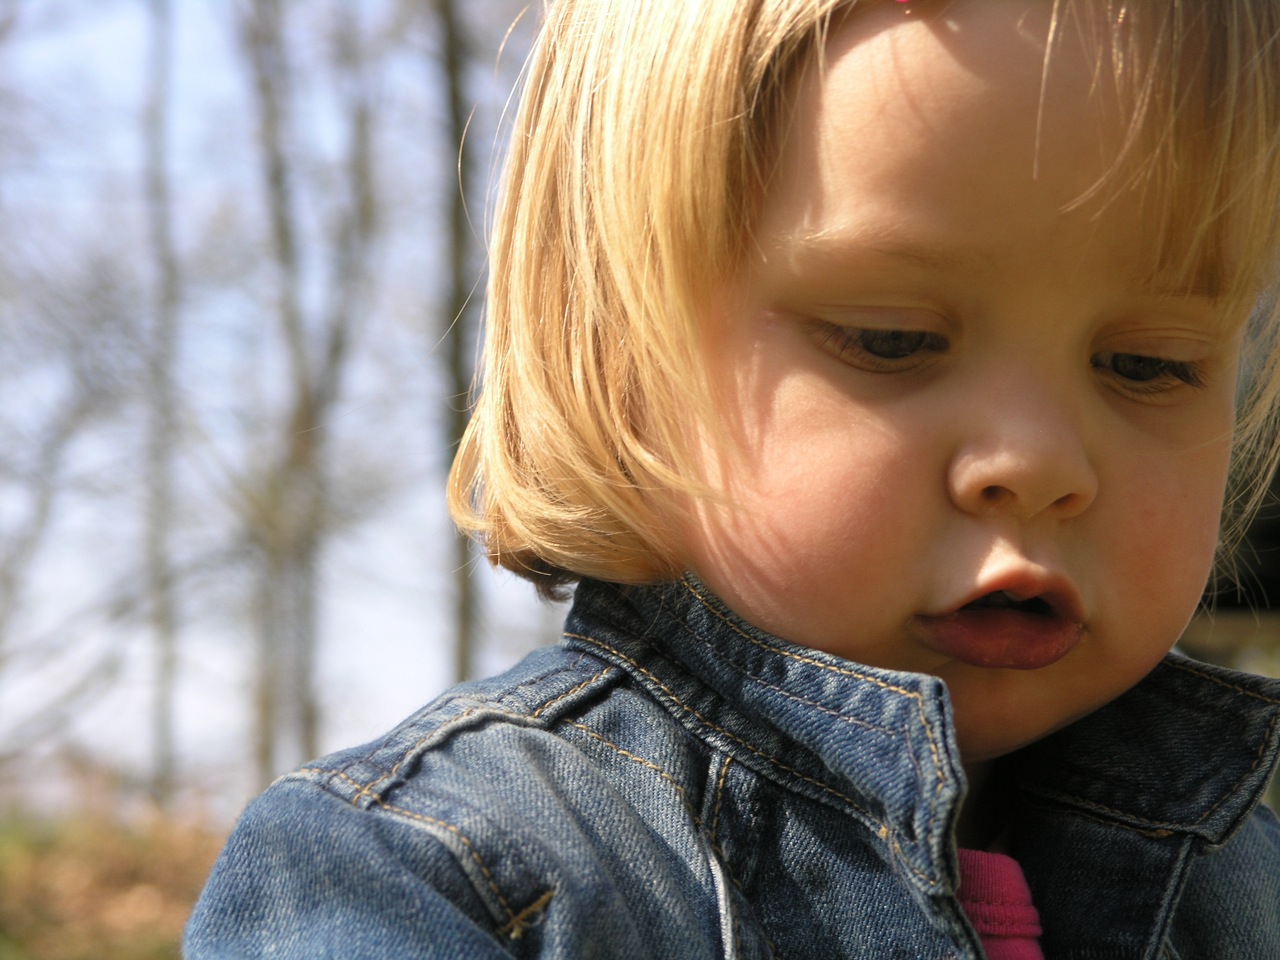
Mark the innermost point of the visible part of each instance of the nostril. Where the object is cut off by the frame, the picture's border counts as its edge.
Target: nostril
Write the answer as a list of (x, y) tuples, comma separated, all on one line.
[(985, 482), (993, 494)]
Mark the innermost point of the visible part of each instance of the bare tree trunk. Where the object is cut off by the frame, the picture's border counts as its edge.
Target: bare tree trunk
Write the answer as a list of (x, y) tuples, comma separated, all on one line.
[(458, 317), (9, 10), (290, 505), (162, 405), (23, 542), (276, 498), (354, 237)]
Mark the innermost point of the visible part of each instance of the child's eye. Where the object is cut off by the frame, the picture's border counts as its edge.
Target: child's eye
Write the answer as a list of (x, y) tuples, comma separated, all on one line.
[(1145, 374), (878, 350)]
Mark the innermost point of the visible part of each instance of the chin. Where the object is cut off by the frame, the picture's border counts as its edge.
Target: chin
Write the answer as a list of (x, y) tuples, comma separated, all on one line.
[(998, 733)]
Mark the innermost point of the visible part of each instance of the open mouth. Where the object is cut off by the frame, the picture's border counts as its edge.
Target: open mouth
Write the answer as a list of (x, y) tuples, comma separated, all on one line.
[(1003, 630), (1003, 600)]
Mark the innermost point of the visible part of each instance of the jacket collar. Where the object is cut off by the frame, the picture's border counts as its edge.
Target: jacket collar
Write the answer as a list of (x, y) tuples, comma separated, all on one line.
[(875, 743), (1189, 749)]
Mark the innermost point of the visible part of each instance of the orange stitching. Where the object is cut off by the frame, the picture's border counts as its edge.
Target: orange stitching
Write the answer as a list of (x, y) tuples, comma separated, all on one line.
[(842, 671), (783, 691), (884, 831), (493, 885), (514, 928), (564, 696), (684, 796), (902, 691), (432, 821), (444, 729), (368, 789), (1093, 811), (717, 853), (1188, 668), (719, 729), (1257, 760), (821, 708)]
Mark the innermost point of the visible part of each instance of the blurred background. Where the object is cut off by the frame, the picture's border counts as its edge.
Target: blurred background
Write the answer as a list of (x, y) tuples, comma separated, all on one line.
[(239, 280), (240, 274)]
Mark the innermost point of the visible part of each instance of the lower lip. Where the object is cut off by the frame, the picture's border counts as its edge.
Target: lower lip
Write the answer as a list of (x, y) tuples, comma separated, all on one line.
[(1001, 639)]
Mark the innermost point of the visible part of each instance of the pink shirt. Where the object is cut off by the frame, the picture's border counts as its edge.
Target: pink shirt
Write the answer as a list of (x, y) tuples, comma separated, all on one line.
[(997, 901)]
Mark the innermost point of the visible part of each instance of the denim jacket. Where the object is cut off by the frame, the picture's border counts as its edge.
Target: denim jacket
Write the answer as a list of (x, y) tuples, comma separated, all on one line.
[(670, 782)]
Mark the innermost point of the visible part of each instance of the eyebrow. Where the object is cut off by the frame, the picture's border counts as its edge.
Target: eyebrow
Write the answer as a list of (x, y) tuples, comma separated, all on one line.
[(881, 243), (887, 243)]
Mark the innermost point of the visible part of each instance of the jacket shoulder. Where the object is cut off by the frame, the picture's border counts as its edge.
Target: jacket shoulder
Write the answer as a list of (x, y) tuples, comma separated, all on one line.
[(305, 874), (510, 810)]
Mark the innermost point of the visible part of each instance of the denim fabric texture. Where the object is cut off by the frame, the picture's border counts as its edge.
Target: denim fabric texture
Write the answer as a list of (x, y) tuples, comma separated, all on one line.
[(670, 782)]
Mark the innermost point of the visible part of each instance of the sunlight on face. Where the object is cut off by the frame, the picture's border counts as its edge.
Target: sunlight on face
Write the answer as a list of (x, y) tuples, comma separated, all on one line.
[(976, 440)]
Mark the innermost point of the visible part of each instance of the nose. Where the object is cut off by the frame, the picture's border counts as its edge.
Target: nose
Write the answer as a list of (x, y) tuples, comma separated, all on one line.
[(1025, 456)]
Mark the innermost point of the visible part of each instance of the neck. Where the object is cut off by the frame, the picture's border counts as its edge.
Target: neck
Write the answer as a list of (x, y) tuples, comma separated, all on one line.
[(984, 817)]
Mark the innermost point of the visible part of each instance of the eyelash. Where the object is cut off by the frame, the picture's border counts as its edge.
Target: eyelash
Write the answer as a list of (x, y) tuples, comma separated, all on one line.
[(878, 351), (891, 351), (1156, 373)]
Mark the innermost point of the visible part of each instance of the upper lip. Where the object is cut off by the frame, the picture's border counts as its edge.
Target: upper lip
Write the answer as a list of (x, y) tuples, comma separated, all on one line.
[(1054, 590)]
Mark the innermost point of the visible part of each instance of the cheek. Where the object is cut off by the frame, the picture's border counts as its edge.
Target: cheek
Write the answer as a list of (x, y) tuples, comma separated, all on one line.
[(1170, 535), (814, 520)]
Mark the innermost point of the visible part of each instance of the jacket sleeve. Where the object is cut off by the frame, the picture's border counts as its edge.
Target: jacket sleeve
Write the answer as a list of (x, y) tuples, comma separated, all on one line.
[(306, 874)]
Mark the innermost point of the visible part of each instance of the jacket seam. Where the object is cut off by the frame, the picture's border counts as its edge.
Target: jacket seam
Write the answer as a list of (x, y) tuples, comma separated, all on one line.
[(373, 788), (1257, 762), (1170, 899), (820, 707), (717, 851), (714, 829), (648, 764), (514, 921), (515, 927), (719, 729), (709, 831), (811, 661), (1160, 828), (569, 693), (1186, 667), (1262, 747), (1100, 813)]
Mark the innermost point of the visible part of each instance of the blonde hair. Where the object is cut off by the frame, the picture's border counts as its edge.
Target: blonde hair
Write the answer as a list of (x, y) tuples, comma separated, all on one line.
[(638, 155)]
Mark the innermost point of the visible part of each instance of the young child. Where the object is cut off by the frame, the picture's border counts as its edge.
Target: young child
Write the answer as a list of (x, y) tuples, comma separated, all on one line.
[(879, 371)]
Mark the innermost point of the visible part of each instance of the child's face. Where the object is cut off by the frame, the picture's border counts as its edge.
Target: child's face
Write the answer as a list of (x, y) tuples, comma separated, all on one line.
[(945, 386)]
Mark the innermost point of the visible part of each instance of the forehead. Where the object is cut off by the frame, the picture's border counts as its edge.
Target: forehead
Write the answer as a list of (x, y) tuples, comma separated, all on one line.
[(900, 119)]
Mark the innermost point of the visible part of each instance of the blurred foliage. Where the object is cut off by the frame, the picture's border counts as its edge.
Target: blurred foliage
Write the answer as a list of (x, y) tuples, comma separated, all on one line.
[(93, 889)]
